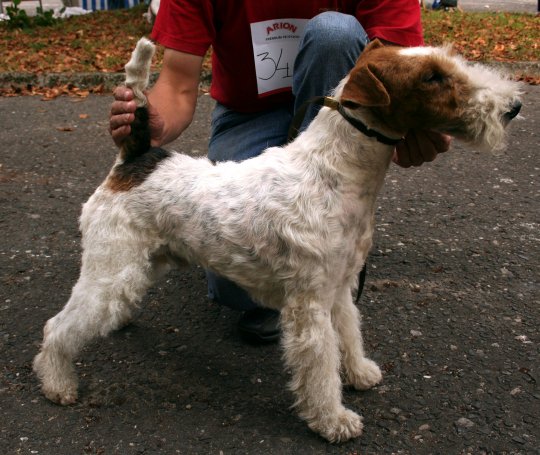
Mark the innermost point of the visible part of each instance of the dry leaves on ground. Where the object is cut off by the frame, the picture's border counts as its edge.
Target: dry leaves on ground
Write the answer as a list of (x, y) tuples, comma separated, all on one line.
[(50, 93), (91, 43)]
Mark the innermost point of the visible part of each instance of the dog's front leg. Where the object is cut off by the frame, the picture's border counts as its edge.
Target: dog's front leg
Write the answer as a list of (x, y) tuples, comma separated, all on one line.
[(312, 353), (360, 372)]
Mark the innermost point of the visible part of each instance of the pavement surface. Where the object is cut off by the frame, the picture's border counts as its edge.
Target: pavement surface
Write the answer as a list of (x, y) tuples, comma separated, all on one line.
[(514, 6), (450, 311)]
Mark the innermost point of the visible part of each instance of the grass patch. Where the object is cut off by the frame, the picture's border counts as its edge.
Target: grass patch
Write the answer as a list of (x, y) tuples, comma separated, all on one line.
[(78, 44), (485, 36)]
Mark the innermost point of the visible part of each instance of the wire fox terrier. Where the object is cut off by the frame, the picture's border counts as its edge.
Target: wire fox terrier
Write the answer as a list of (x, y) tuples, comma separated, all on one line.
[(292, 226)]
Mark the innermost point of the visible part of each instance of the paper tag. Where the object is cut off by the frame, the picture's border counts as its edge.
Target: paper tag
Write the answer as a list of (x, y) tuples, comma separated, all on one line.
[(275, 46)]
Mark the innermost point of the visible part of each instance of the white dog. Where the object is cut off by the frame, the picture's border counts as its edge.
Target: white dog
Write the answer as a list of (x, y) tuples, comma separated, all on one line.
[(293, 226)]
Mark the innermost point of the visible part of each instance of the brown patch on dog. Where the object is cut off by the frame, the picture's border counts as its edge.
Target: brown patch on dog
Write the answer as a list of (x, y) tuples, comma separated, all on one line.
[(424, 92), (365, 89), (131, 173), (138, 141), (138, 159)]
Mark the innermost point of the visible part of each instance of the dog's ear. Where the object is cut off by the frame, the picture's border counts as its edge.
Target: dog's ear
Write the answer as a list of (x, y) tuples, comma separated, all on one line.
[(372, 45), (364, 89), (450, 49)]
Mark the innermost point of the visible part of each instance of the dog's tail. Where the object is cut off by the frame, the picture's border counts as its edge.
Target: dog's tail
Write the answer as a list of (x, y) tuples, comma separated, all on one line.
[(137, 78)]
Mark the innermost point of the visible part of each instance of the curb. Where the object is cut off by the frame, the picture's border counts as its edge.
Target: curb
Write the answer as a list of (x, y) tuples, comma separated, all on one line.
[(519, 68), (111, 80), (81, 80)]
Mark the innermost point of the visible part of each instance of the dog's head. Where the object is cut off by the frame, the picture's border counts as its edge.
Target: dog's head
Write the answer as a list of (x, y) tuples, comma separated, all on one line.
[(432, 88)]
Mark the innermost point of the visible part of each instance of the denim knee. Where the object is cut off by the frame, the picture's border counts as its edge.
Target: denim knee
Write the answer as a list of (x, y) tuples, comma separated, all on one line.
[(333, 33), (331, 45)]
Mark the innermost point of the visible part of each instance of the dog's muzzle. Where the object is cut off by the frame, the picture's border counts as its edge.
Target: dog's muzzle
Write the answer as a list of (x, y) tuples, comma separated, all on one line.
[(513, 112)]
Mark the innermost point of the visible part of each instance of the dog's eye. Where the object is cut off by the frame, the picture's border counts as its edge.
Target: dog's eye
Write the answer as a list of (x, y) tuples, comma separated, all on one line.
[(434, 78)]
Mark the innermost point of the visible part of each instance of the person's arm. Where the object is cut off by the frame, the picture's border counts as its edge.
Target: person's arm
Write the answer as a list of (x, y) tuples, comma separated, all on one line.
[(171, 102)]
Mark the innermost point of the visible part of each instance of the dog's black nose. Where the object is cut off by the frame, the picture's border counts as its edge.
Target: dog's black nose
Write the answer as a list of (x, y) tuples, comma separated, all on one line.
[(514, 111)]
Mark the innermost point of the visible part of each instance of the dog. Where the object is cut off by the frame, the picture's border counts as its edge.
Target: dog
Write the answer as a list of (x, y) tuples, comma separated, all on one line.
[(292, 226)]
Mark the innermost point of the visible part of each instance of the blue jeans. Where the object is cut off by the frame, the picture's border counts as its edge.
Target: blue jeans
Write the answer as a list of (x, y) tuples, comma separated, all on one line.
[(329, 49)]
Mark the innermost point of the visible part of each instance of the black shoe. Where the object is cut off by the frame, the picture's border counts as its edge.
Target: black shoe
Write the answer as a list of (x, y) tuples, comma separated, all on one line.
[(259, 326)]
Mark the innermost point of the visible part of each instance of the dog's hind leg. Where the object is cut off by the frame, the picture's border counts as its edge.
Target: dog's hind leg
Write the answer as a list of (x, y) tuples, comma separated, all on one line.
[(360, 372), (312, 353), (101, 301)]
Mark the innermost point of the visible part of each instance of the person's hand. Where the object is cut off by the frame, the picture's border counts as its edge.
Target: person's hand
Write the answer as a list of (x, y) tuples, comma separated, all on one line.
[(123, 113), (420, 146)]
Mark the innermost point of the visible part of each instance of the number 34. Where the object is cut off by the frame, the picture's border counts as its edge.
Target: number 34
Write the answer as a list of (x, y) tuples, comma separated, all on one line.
[(272, 66)]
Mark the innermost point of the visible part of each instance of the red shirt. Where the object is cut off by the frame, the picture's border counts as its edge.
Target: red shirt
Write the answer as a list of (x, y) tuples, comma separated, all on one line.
[(192, 26)]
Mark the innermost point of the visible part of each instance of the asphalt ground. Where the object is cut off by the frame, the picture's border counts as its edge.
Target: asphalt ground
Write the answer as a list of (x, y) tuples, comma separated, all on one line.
[(450, 311)]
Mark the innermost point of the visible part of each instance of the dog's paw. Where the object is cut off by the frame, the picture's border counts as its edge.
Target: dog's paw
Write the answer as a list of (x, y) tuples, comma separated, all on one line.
[(63, 397), (340, 427), (365, 375), (57, 384)]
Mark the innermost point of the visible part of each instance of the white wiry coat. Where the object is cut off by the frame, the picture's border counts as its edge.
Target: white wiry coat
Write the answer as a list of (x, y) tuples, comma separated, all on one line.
[(292, 226)]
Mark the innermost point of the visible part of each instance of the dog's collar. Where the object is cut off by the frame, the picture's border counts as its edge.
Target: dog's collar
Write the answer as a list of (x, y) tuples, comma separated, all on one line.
[(334, 104)]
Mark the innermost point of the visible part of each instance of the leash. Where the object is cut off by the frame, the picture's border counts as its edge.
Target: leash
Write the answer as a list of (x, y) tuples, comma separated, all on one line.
[(361, 282), (334, 104)]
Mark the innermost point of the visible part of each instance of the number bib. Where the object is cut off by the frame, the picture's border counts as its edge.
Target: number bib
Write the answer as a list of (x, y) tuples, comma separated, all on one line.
[(275, 46)]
